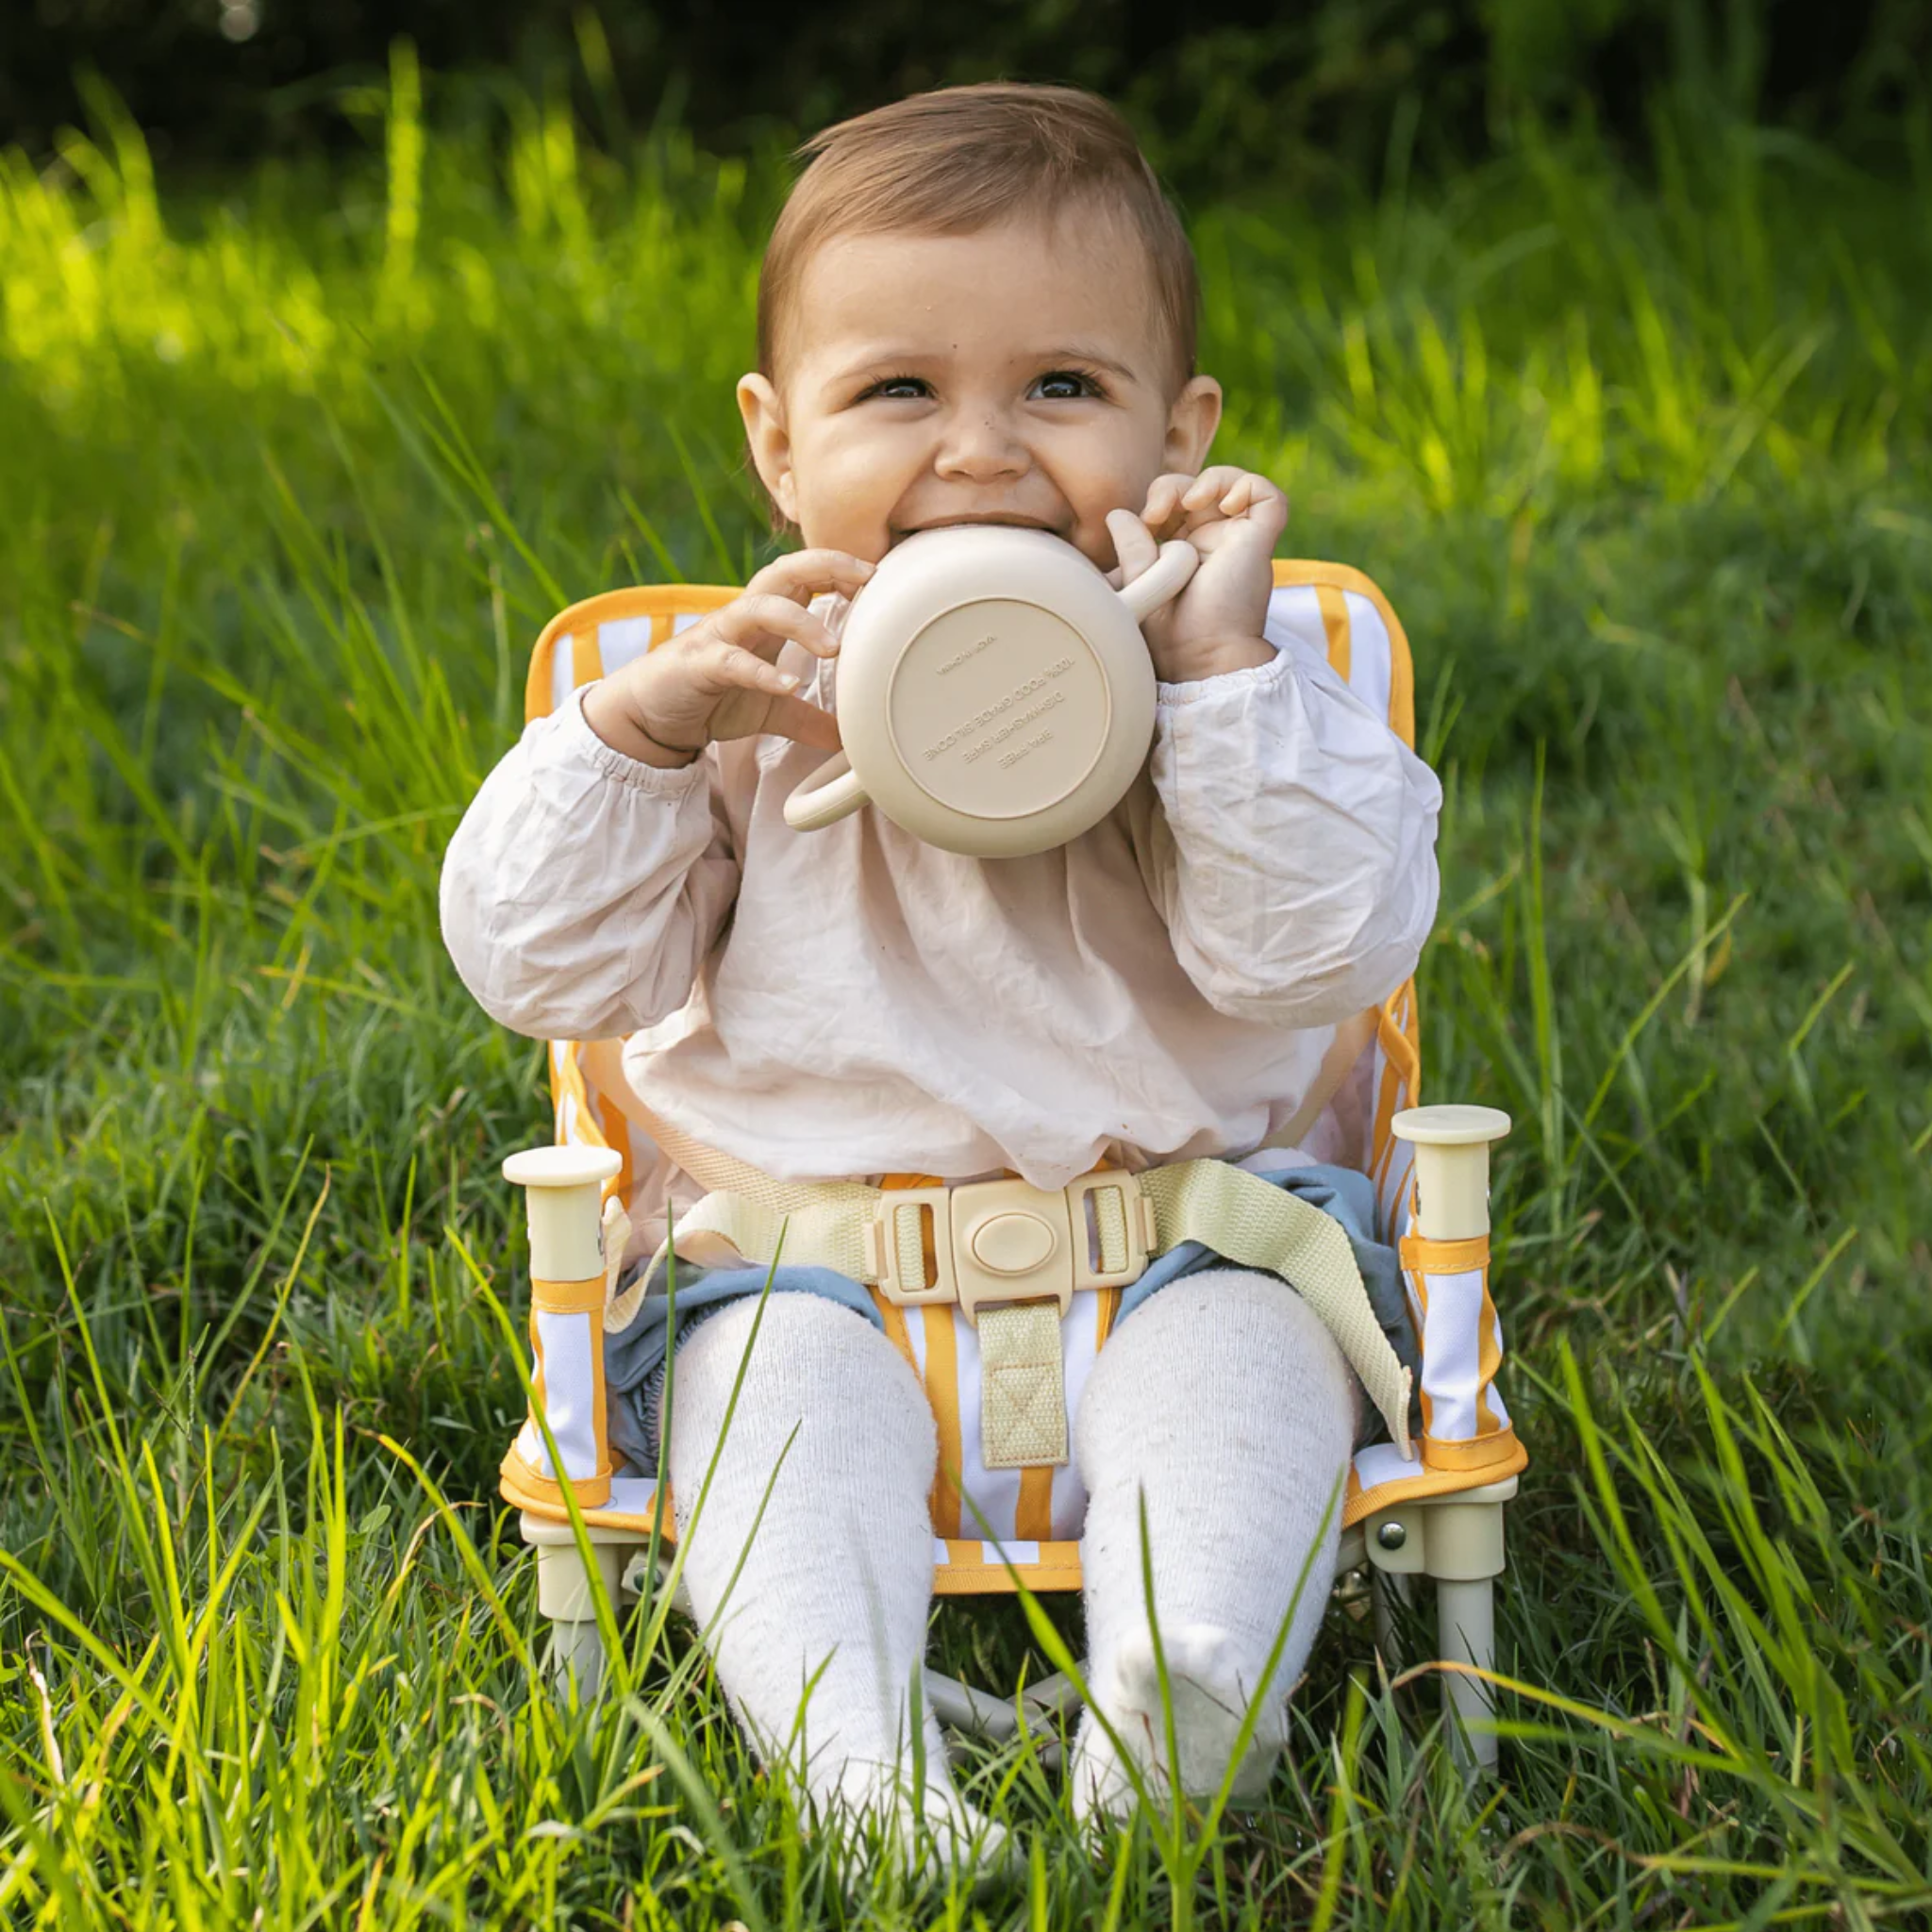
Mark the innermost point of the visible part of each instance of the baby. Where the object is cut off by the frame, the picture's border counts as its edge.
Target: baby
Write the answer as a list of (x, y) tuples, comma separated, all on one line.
[(977, 307)]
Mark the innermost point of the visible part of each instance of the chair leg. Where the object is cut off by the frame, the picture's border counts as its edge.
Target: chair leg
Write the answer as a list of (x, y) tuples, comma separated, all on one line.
[(967, 1710), (1466, 1634), (564, 1595), (1457, 1542), (576, 1650)]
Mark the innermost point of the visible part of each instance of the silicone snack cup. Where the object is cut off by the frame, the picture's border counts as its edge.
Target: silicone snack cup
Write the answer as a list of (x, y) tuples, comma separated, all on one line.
[(994, 693)]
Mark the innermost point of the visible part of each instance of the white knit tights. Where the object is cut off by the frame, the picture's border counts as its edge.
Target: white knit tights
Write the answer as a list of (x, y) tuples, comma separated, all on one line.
[(1224, 1401), (819, 1507), (1226, 1404)]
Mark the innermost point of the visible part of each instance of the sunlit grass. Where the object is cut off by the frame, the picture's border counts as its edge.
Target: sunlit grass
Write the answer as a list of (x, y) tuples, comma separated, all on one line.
[(290, 477)]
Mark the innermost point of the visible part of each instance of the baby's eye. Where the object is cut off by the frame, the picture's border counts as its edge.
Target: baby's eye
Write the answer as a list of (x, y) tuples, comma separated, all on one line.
[(1065, 386), (897, 389)]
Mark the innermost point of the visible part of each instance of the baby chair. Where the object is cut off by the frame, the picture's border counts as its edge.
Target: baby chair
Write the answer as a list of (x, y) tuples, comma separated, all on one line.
[(1429, 1507)]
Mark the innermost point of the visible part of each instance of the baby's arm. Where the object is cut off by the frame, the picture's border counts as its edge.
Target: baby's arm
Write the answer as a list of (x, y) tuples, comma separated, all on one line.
[(1296, 865), (583, 888), (592, 872)]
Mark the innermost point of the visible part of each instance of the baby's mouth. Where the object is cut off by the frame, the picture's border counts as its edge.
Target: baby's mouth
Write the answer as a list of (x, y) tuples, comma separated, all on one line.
[(1003, 518)]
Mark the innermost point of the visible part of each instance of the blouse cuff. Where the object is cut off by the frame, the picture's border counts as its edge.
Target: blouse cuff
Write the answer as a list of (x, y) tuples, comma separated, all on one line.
[(576, 739), (1246, 682)]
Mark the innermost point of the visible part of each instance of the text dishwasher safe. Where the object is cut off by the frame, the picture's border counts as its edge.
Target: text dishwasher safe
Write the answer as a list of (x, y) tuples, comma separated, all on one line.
[(994, 693)]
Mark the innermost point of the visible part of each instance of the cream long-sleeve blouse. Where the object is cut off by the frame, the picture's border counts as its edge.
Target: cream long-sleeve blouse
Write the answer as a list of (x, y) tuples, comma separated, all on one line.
[(853, 1001)]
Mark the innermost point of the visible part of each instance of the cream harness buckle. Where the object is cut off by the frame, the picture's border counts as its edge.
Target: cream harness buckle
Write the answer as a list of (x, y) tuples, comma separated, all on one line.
[(991, 1243)]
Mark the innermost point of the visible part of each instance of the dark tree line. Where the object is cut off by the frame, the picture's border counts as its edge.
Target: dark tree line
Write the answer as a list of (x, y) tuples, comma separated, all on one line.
[(1227, 89)]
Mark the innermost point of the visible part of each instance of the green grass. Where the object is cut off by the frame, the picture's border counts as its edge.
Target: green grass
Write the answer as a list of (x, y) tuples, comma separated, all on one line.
[(289, 477)]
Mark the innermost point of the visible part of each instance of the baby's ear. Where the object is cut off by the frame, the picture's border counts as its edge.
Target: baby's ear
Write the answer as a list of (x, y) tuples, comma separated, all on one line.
[(1192, 424), (770, 443)]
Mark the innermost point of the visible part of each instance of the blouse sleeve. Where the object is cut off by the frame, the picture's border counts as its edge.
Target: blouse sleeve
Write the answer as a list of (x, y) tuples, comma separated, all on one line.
[(583, 890), (1296, 866)]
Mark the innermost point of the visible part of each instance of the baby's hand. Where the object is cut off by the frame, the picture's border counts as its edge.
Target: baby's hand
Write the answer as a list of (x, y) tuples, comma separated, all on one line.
[(1234, 519), (718, 679)]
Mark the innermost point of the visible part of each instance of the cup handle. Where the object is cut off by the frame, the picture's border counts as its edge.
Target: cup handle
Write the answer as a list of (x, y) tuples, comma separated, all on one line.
[(1165, 578), (832, 792)]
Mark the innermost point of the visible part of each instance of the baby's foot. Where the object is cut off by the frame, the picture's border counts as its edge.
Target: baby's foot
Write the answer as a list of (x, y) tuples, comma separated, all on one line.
[(1210, 1700)]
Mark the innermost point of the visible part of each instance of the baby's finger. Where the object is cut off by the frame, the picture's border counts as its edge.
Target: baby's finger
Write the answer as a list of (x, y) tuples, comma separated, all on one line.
[(1209, 487), (1257, 497), (803, 721), (762, 624), (1261, 506), (725, 670), (802, 575), (1165, 501), (1238, 498), (1133, 543), (723, 666)]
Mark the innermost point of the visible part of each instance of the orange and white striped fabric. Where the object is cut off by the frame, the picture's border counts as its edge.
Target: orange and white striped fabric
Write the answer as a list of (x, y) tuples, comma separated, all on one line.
[(993, 1527), (567, 1386)]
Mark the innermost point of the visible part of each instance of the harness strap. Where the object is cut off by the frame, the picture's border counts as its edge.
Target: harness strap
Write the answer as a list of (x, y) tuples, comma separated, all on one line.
[(728, 1230), (1238, 1215), (1022, 1402), (1224, 1207)]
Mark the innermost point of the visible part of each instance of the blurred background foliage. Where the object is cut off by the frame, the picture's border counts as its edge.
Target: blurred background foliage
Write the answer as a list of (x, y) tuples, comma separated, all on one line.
[(1239, 94)]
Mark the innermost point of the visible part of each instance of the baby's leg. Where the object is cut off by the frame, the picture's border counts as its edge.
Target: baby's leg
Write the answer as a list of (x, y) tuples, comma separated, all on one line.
[(1227, 1404), (836, 1572)]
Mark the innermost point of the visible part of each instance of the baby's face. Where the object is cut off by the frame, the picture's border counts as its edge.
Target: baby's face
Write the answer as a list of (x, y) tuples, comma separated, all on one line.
[(1015, 375)]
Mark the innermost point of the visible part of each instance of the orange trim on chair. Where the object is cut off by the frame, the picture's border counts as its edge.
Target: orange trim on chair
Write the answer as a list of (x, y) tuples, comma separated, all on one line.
[(974, 1569), (567, 1075), (1489, 1359), (1402, 1051), (1361, 1503), (1421, 1253), (1033, 1512), (617, 1136), (586, 660), (1333, 605), (1401, 1082), (1389, 1096), (522, 1486), (1419, 1286), (600, 1410), (941, 1379), (537, 680), (1290, 572), (943, 1391), (517, 1485), (655, 601), (1401, 672), (583, 1297), (1470, 1452), (572, 1077), (1106, 1315)]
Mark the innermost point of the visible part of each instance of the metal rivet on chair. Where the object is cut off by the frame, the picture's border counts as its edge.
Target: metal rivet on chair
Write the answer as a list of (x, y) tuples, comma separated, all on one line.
[(1392, 1536)]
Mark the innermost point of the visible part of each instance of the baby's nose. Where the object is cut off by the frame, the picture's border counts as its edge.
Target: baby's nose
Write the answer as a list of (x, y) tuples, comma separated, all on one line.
[(978, 443)]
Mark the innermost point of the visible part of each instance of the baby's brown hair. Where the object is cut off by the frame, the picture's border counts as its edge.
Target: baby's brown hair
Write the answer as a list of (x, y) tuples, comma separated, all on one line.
[(962, 158)]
